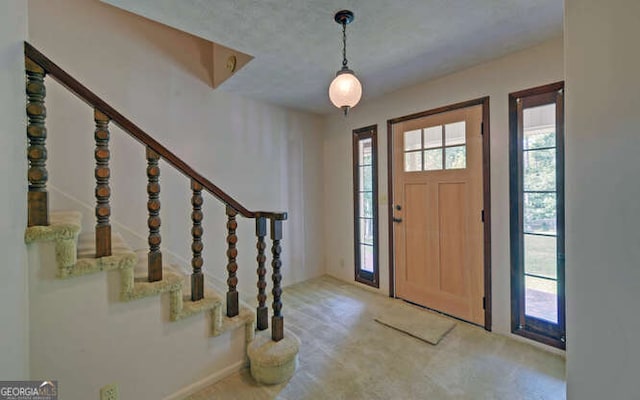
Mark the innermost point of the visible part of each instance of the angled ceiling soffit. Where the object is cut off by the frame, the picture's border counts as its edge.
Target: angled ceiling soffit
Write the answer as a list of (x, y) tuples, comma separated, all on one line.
[(210, 62)]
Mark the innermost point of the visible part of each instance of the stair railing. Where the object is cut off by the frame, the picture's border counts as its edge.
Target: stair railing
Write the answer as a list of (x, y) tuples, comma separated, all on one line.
[(37, 66)]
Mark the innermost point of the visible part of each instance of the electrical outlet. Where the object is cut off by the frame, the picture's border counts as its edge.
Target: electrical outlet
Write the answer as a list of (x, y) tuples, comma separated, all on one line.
[(109, 392)]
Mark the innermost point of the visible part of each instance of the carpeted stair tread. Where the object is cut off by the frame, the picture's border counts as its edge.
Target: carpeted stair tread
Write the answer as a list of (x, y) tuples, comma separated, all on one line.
[(121, 256), (87, 245), (211, 302), (62, 225), (139, 287), (141, 269), (244, 317)]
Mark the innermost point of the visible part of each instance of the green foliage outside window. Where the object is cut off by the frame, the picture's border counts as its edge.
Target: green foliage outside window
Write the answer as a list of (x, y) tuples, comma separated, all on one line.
[(540, 176)]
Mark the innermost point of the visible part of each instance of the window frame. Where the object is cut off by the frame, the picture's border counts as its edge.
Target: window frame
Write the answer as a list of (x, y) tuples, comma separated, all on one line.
[(443, 147), (528, 326), (361, 275)]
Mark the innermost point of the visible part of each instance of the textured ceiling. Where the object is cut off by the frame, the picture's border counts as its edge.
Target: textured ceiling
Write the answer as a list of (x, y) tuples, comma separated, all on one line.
[(390, 44)]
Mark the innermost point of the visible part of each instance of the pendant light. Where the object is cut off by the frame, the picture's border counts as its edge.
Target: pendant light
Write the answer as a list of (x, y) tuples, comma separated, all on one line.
[(345, 90)]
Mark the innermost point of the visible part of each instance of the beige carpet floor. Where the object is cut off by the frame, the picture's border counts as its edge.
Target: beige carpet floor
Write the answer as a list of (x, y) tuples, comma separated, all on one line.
[(345, 354)]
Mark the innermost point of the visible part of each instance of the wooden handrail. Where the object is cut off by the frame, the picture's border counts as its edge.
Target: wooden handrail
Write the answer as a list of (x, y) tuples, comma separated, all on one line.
[(137, 133)]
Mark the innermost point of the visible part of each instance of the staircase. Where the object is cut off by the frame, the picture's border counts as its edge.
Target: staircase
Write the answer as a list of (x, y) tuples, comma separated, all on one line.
[(75, 256), (60, 252)]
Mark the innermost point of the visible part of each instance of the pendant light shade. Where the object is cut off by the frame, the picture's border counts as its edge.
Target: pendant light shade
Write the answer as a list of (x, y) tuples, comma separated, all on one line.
[(345, 90)]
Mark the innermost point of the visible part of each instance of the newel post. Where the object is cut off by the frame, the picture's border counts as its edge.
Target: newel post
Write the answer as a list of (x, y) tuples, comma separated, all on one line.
[(37, 197)]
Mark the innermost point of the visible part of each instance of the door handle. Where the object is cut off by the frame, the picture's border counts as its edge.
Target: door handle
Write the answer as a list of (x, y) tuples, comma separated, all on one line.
[(398, 220)]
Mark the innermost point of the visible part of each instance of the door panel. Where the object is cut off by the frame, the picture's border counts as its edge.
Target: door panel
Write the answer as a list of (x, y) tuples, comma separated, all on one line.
[(452, 212), (438, 199), (415, 198)]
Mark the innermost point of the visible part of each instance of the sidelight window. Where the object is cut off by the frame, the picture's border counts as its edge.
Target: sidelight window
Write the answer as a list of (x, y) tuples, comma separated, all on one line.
[(537, 214), (365, 173)]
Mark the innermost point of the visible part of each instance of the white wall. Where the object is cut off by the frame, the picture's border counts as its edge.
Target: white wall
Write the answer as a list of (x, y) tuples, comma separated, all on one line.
[(529, 68), (602, 192), (13, 188), (267, 157)]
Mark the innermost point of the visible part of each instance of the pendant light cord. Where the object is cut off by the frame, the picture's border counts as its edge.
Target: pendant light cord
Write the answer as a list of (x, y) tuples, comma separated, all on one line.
[(344, 45)]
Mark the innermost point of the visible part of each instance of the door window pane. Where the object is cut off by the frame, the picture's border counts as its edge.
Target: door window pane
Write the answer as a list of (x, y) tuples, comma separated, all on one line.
[(413, 161), (433, 137), (456, 157), (448, 152), (433, 160), (413, 140), (455, 133)]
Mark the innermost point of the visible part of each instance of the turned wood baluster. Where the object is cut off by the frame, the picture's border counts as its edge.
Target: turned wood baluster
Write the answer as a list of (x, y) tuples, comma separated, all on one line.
[(263, 310), (37, 197), (154, 260), (103, 191), (232, 266), (197, 278), (277, 320)]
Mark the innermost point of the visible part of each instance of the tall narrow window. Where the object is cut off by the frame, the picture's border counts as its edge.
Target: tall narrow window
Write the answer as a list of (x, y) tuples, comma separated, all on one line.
[(365, 209), (536, 118)]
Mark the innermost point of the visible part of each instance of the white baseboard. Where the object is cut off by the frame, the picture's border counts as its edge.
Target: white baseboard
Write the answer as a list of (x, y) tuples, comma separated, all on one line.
[(207, 381), (533, 343)]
